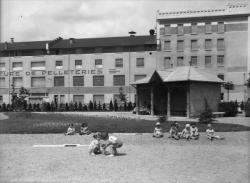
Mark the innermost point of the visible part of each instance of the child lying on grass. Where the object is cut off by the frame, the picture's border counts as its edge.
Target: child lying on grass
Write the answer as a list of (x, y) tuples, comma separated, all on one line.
[(158, 132), (211, 133), (112, 142), (71, 130)]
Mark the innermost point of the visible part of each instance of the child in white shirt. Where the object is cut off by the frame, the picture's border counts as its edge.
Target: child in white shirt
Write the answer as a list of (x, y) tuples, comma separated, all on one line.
[(173, 132), (194, 132), (186, 132), (113, 142), (211, 133), (158, 132), (71, 130)]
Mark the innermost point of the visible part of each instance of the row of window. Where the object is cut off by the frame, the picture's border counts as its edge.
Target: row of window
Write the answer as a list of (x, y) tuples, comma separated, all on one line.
[(98, 80), (40, 65), (193, 61), (194, 28), (208, 45)]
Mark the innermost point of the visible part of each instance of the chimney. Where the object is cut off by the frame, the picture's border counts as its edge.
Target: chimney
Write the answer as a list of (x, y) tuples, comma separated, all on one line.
[(132, 33), (12, 40)]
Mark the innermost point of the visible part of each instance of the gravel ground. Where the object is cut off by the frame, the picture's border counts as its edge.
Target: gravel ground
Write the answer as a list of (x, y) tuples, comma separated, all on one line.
[(141, 159)]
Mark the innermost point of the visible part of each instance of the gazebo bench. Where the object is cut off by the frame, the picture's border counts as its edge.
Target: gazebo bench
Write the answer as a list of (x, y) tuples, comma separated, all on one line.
[(218, 114)]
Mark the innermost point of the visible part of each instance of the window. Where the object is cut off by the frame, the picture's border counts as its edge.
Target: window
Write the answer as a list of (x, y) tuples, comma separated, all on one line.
[(1, 99), (221, 27), (17, 66), (59, 81), (36, 66), (208, 44), (167, 30), (17, 82), (193, 28), (119, 80), (38, 82), (167, 45), (140, 76), (180, 45), (59, 64), (78, 64), (194, 45), (118, 62), (78, 98), (193, 61), (78, 80), (167, 63), (98, 63), (98, 99), (180, 61), (140, 62), (98, 80), (220, 44), (2, 67), (221, 76), (208, 61), (180, 29), (2, 82), (220, 60), (208, 27)]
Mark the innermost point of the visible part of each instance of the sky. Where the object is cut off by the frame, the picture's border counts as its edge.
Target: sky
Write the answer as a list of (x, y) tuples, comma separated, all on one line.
[(37, 20)]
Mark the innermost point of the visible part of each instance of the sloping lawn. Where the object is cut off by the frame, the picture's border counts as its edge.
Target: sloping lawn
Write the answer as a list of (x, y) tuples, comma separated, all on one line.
[(31, 123)]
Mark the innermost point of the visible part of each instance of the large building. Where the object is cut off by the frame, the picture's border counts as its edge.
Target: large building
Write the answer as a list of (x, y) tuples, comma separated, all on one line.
[(76, 70), (80, 70), (215, 39)]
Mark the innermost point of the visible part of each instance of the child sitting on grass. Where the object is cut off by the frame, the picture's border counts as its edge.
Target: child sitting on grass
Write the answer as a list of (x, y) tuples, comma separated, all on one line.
[(186, 132), (95, 147), (84, 129), (158, 132), (71, 130), (211, 133), (113, 142), (173, 132), (194, 132)]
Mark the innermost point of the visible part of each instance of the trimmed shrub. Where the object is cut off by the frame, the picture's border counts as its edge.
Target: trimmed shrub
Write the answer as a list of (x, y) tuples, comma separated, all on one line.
[(247, 109), (104, 107), (4, 107), (111, 106), (95, 106), (230, 108), (115, 105), (206, 116), (91, 106), (130, 106), (80, 107)]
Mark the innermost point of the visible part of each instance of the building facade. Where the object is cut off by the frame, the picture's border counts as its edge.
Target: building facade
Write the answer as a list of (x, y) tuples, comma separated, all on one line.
[(76, 70), (215, 39)]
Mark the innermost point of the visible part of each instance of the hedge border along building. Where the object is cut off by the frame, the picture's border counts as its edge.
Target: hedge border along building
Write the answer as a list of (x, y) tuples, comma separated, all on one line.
[(215, 39), (76, 70)]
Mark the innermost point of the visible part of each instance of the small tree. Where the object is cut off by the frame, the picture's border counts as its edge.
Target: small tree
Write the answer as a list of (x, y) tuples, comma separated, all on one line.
[(19, 101), (130, 106), (67, 107), (95, 106), (80, 108), (115, 105), (4, 108), (99, 107), (75, 107), (71, 106), (91, 106), (29, 107), (206, 116), (111, 106), (104, 107)]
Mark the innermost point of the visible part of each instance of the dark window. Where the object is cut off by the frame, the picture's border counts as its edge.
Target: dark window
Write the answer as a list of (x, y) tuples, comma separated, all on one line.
[(180, 29), (208, 44), (98, 63), (220, 60), (139, 76), (220, 44), (59, 81), (119, 80), (98, 99), (180, 61), (194, 45), (118, 62), (167, 30), (78, 98), (38, 82), (221, 27), (167, 63), (194, 28), (98, 80), (2, 82), (208, 27), (193, 61), (59, 64), (208, 62), (180, 45), (167, 45), (140, 62), (78, 64), (1, 99), (2, 67), (78, 80)]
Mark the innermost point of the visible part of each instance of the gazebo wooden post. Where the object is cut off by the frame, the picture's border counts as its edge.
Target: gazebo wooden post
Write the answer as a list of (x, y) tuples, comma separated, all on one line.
[(152, 100), (188, 100), (168, 103), (137, 100)]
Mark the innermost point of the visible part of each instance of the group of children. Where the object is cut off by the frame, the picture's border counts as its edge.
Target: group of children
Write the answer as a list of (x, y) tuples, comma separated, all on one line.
[(106, 144), (84, 129), (188, 133)]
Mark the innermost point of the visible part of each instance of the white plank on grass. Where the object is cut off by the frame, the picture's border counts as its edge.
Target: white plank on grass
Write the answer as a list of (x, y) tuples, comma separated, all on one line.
[(60, 145)]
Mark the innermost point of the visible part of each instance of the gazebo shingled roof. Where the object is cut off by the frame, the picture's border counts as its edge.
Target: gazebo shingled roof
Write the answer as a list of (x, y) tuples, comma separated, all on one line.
[(185, 73)]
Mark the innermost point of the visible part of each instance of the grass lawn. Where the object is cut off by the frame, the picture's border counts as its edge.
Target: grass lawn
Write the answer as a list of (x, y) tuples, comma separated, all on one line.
[(142, 159), (32, 123)]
